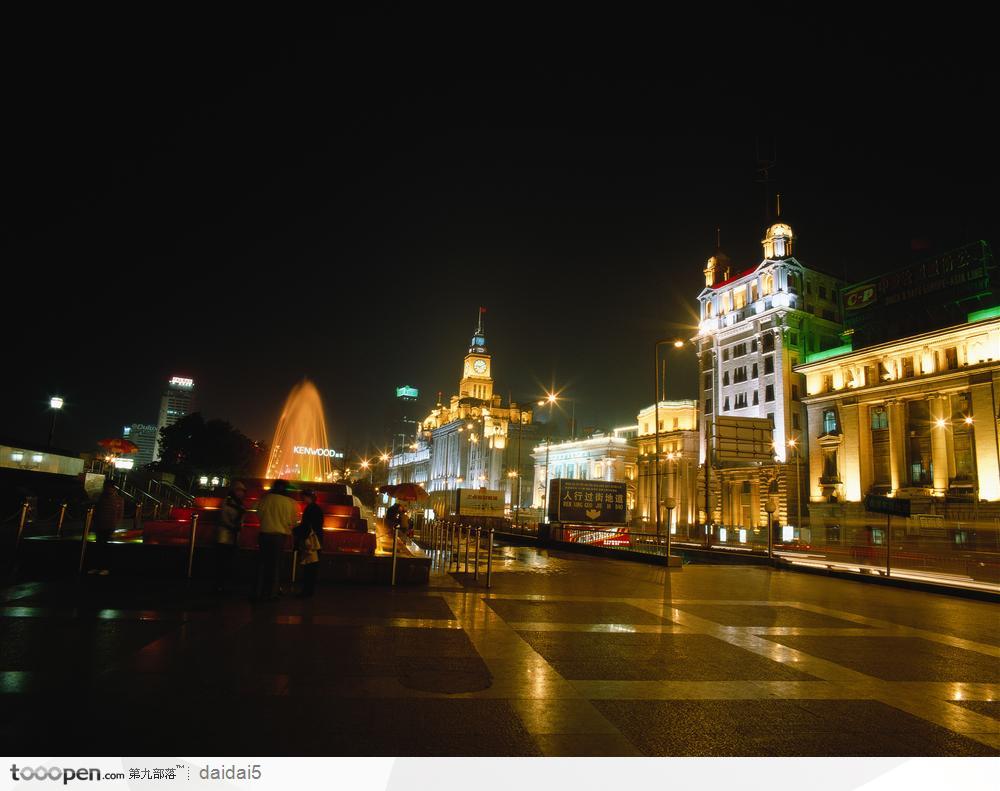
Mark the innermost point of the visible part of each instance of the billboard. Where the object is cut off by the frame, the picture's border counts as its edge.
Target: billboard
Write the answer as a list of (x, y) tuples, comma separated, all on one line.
[(743, 439), (927, 295), (587, 502), (407, 392), (480, 502)]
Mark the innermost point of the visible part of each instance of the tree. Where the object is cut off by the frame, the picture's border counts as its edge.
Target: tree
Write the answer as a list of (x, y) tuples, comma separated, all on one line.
[(364, 491), (193, 446)]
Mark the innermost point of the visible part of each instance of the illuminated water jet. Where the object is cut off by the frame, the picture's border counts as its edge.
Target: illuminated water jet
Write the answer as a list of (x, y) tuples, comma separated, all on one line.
[(300, 450)]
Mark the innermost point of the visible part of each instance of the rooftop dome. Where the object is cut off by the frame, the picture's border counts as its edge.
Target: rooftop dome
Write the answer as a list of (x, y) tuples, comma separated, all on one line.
[(777, 241)]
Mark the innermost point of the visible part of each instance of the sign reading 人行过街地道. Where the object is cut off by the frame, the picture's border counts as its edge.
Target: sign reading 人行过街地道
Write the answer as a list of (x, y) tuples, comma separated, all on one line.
[(576, 501), (302, 450)]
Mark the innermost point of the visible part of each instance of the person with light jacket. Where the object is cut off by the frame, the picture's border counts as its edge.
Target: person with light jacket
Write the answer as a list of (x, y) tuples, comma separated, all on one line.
[(278, 514)]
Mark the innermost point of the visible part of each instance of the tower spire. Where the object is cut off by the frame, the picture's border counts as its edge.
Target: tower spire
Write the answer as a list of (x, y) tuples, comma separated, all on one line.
[(779, 206), (479, 338)]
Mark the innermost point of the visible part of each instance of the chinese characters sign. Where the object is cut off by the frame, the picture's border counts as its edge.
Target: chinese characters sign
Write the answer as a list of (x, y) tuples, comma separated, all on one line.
[(587, 502)]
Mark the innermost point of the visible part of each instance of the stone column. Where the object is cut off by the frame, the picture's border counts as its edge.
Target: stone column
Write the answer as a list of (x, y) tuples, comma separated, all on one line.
[(866, 466), (812, 463), (984, 414), (849, 458), (940, 429), (897, 444)]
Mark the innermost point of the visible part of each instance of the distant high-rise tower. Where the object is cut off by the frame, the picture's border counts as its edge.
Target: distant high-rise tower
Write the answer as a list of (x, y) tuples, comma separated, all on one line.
[(145, 436), (177, 401)]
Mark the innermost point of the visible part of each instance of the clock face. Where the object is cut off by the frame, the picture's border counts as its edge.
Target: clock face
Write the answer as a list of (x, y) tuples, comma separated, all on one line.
[(479, 366)]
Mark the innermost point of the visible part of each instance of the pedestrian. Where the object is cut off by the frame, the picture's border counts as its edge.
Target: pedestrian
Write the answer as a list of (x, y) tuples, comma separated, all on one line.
[(394, 516), (309, 541), (278, 514), (109, 512), (227, 535)]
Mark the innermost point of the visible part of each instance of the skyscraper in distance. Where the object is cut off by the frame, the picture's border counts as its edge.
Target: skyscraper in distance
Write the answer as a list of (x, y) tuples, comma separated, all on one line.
[(177, 401)]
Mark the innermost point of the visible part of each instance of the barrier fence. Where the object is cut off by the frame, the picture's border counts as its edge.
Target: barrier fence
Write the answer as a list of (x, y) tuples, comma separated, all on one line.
[(454, 544)]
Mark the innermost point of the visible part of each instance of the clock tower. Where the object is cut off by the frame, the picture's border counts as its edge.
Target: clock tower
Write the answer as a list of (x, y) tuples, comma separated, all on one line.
[(477, 380)]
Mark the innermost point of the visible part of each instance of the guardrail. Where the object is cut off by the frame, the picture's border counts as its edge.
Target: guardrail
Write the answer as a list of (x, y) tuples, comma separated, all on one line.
[(451, 541)]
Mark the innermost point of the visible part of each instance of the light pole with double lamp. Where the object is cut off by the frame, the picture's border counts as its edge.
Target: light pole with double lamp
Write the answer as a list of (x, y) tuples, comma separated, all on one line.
[(676, 343)]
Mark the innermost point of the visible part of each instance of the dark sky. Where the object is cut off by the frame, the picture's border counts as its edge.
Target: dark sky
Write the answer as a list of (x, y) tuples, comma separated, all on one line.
[(248, 214)]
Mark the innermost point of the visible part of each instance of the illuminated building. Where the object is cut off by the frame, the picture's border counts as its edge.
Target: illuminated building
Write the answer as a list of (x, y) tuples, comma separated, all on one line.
[(145, 437), (756, 325), (914, 417), (38, 458), (600, 457), (678, 465), (474, 440), (177, 401)]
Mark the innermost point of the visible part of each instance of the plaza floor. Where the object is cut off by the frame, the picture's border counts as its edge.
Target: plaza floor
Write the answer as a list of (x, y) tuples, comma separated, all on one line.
[(565, 655)]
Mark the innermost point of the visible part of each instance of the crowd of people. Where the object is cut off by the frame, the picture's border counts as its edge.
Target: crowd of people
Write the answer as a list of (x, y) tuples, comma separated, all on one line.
[(279, 518)]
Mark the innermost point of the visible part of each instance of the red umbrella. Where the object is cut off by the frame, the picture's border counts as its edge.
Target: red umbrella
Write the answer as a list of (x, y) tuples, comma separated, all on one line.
[(118, 445), (405, 491)]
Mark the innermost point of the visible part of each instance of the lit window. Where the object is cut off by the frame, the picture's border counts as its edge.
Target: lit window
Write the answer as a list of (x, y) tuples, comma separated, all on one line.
[(829, 421)]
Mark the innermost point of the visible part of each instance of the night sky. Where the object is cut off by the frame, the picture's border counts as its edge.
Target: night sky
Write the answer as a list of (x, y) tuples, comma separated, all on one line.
[(247, 215)]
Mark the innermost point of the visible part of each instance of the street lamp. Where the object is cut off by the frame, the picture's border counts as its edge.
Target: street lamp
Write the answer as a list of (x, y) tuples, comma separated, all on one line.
[(55, 404), (676, 343), (550, 400), (793, 444)]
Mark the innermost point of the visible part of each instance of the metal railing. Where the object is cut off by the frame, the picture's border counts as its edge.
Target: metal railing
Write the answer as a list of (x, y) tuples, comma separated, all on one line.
[(459, 545)]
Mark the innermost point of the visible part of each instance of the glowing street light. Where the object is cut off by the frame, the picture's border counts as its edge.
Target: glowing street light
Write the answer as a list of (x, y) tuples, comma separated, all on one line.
[(55, 404), (676, 343), (792, 443)]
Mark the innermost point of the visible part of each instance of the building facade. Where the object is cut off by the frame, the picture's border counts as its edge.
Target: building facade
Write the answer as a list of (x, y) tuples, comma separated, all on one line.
[(145, 438), (915, 418), (177, 401), (756, 325), (601, 457), (678, 468), (475, 440)]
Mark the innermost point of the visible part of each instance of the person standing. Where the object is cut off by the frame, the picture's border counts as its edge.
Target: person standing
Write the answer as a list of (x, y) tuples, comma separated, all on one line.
[(278, 514), (109, 512), (227, 535), (309, 539)]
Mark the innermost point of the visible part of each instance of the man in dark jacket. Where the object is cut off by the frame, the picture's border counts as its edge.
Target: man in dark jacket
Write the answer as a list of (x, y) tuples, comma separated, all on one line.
[(311, 525)]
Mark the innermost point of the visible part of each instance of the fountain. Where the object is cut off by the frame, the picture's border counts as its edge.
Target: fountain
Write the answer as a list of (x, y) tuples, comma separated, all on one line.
[(300, 450)]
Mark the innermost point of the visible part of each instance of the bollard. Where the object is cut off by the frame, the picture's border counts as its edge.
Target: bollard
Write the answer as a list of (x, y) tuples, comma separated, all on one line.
[(489, 562), (395, 540), (194, 533), (86, 532), (479, 535), (468, 537), (59, 524), (25, 508)]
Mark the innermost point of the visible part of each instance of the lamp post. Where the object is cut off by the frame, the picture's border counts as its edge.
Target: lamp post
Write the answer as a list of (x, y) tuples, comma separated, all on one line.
[(55, 404), (794, 445), (677, 343), (550, 401)]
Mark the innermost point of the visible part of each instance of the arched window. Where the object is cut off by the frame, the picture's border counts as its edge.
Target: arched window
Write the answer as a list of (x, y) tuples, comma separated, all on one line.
[(829, 421)]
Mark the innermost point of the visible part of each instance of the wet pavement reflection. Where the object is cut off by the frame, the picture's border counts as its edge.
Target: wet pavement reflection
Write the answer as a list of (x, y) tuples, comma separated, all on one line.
[(565, 655)]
